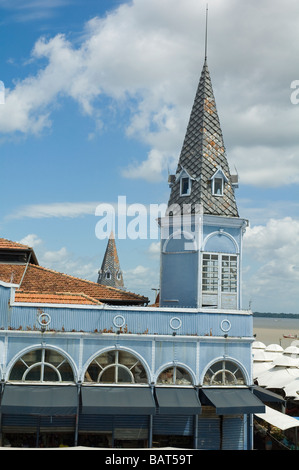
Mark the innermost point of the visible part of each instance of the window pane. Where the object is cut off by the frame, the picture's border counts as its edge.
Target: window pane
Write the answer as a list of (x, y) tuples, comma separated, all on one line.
[(34, 374), (182, 377), (18, 371), (50, 374), (229, 274), (32, 357), (185, 186), (123, 375), (210, 273), (108, 376), (218, 186), (166, 377)]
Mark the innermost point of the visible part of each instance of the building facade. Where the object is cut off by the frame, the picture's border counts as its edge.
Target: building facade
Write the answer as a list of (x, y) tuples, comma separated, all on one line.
[(178, 374)]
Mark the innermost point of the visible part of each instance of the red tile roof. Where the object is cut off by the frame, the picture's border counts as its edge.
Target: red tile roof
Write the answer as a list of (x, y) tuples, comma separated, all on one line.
[(10, 246), (56, 298), (42, 280)]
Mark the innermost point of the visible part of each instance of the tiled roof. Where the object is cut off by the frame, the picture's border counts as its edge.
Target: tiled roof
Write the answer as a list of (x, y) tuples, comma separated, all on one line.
[(203, 152), (8, 246), (43, 280), (55, 298)]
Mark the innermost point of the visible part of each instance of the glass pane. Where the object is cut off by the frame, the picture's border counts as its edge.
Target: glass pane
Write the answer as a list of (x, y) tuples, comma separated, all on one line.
[(182, 377), (34, 375), (33, 357), (66, 372), (218, 186), (50, 374), (126, 359), (166, 377), (139, 374), (18, 370), (123, 375), (108, 376), (53, 357), (185, 185)]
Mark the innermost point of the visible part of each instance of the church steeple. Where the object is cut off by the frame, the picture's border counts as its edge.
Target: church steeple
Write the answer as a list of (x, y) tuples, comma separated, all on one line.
[(110, 273), (203, 177)]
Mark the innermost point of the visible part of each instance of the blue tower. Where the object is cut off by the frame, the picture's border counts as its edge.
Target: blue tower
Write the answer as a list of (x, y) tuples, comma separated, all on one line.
[(201, 233)]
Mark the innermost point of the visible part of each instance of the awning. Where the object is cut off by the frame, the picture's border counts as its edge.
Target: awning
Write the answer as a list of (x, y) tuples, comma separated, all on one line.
[(47, 400), (280, 420), (230, 401), (117, 400), (267, 396), (178, 401)]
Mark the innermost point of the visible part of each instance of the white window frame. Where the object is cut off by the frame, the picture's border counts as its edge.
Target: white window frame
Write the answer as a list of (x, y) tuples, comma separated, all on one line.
[(221, 277)]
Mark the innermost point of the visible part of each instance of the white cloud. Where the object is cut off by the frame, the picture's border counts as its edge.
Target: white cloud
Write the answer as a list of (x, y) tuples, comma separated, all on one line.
[(31, 240), (147, 55), (57, 209), (274, 263)]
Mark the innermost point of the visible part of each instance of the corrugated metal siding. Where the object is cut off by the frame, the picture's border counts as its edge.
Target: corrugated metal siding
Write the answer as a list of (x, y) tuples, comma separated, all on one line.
[(135, 321), (110, 422), (173, 425), (208, 433), (31, 423), (233, 433)]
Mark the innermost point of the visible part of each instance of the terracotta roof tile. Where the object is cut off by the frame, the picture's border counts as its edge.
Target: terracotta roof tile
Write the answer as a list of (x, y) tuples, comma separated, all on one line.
[(55, 298), (8, 244), (40, 279)]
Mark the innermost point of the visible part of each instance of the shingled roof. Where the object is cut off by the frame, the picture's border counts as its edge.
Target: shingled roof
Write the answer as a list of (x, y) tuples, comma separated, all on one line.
[(202, 154), (48, 286), (110, 273)]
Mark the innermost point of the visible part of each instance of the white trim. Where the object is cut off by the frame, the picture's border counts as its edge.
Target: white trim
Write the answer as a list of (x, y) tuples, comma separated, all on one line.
[(220, 232)]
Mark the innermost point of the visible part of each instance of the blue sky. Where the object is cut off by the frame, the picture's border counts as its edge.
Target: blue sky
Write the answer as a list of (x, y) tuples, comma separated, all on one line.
[(98, 95)]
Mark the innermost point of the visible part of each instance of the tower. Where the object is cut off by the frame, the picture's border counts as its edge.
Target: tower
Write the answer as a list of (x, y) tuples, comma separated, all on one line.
[(110, 273), (201, 234)]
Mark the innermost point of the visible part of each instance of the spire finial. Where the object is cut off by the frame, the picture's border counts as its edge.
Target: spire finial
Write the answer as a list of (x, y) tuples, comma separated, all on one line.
[(206, 35)]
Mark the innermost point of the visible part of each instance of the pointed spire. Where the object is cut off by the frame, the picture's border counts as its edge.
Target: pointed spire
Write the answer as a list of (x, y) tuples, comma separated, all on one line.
[(202, 155), (110, 273)]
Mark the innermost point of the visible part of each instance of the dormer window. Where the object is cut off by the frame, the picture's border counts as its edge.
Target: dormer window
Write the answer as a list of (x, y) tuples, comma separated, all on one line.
[(185, 186), (217, 182), (108, 275)]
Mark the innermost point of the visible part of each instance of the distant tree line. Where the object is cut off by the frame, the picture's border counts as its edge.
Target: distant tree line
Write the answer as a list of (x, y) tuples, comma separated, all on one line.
[(276, 315)]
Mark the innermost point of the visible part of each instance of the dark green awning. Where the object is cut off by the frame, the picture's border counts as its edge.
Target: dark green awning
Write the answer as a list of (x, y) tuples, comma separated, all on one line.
[(117, 400), (266, 396), (178, 401), (232, 400), (47, 400)]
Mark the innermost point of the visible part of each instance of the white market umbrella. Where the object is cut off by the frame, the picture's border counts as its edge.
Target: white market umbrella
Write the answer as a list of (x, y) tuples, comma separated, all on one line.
[(291, 350), (277, 377), (258, 345), (292, 389), (259, 368), (278, 419)]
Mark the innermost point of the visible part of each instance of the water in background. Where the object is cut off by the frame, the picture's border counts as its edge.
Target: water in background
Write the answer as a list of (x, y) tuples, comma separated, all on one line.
[(271, 330)]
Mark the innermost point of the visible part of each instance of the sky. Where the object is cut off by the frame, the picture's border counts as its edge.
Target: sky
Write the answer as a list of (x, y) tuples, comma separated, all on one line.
[(98, 95)]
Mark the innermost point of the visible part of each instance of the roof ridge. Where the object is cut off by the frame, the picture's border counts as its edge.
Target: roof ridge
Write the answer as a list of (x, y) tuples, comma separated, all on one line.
[(85, 280)]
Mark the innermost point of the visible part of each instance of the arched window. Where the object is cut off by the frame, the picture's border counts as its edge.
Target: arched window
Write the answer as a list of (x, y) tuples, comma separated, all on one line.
[(174, 376), (42, 365), (224, 373), (113, 367)]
